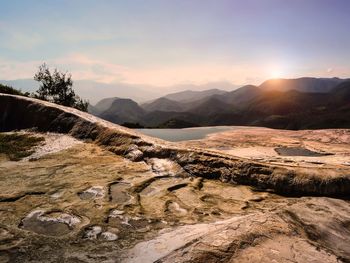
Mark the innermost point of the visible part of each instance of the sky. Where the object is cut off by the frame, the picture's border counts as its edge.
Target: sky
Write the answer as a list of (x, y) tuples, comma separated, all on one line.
[(168, 42)]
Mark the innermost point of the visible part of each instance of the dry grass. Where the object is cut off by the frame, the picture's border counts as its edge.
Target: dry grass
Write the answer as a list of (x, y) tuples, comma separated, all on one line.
[(18, 146)]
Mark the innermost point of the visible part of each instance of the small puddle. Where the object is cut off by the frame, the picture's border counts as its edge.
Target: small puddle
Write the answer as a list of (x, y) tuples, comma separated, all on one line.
[(50, 224), (127, 224), (118, 192), (94, 192), (298, 151)]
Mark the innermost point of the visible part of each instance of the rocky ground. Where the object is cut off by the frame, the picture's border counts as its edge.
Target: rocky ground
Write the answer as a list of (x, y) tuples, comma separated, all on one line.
[(99, 193), (92, 205), (307, 148)]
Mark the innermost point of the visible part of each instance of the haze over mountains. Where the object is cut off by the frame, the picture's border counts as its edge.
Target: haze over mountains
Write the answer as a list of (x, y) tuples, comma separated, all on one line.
[(95, 91), (281, 103)]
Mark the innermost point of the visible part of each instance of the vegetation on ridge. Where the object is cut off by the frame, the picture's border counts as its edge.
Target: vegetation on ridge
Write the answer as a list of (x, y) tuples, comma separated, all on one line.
[(10, 90), (57, 87)]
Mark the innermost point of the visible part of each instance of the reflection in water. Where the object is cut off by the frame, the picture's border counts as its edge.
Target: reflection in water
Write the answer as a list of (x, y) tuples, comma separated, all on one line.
[(175, 135)]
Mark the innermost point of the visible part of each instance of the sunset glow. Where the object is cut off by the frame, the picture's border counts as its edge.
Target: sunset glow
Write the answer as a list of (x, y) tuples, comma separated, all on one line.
[(165, 43), (144, 131), (276, 74)]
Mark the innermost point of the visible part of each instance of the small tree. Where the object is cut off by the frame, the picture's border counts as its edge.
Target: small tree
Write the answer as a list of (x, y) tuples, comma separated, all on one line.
[(57, 87)]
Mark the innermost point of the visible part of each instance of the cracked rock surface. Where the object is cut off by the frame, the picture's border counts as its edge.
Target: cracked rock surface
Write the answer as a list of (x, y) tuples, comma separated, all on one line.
[(86, 204), (89, 205), (117, 196), (299, 233)]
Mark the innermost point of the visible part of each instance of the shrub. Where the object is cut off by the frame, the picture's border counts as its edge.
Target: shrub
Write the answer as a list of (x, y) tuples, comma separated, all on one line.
[(57, 87), (9, 90)]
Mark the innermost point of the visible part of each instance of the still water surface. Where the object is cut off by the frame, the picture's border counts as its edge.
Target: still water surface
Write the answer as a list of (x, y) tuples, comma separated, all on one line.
[(175, 135)]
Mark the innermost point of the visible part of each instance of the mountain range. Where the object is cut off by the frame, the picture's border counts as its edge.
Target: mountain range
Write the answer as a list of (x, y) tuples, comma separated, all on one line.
[(279, 103), (95, 91)]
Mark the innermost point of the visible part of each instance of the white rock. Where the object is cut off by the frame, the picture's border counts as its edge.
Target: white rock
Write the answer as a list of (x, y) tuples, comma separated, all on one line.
[(116, 213), (165, 167), (96, 192), (93, 232), (109, 236)]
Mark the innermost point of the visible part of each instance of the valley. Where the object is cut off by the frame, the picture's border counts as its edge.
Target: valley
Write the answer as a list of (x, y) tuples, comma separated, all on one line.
[(304, 103)]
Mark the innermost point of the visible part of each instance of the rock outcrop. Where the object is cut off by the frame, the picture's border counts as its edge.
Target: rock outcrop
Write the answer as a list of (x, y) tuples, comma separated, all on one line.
[(118, 196), (311, 230), (25, 113)]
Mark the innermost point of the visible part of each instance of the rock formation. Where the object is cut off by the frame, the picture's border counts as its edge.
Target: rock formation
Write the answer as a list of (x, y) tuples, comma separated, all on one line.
[(115, 195)]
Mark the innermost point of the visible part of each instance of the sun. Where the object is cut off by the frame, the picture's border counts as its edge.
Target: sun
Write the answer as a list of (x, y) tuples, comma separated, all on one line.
[(276, 73)]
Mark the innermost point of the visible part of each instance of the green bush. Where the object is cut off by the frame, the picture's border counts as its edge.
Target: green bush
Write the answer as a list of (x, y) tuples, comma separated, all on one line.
[(9, 90), (57, 87)]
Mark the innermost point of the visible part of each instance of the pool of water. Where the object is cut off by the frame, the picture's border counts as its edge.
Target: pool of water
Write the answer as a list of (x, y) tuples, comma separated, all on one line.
[(298, 151), (175, 135)]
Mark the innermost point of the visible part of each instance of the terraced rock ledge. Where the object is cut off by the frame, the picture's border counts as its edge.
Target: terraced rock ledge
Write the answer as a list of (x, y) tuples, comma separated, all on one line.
[(91, 191), (25, 113)]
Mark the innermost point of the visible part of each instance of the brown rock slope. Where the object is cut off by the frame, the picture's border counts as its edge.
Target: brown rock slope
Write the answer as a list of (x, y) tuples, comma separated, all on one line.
[(118, 196), (25, 113), (86, 204), (312, 230)]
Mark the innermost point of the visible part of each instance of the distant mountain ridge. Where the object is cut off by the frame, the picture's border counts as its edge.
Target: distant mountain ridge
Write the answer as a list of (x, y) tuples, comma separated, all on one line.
[(312, 85), (282, 103), (105, 104), (191, 95), (122, 110), (163, 104), (95, 91)]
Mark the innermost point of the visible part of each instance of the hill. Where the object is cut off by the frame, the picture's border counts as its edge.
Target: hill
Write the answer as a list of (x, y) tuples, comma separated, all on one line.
[(104, 104), (122, 110), (313, 85), (190, 95), (285, 104), (163, 104), (240, 97)]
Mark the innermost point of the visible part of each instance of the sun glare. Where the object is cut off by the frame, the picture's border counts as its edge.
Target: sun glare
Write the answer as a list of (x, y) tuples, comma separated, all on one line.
[(276, 73)]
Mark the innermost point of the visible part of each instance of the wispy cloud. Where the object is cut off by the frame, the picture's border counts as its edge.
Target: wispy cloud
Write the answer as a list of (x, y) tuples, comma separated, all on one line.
[(84, 67), (19, 40), (170, 42), (81, 67), (10, 69)]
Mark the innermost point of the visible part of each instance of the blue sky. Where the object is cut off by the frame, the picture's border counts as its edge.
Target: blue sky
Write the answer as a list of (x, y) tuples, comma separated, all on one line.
[(167, 42)]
